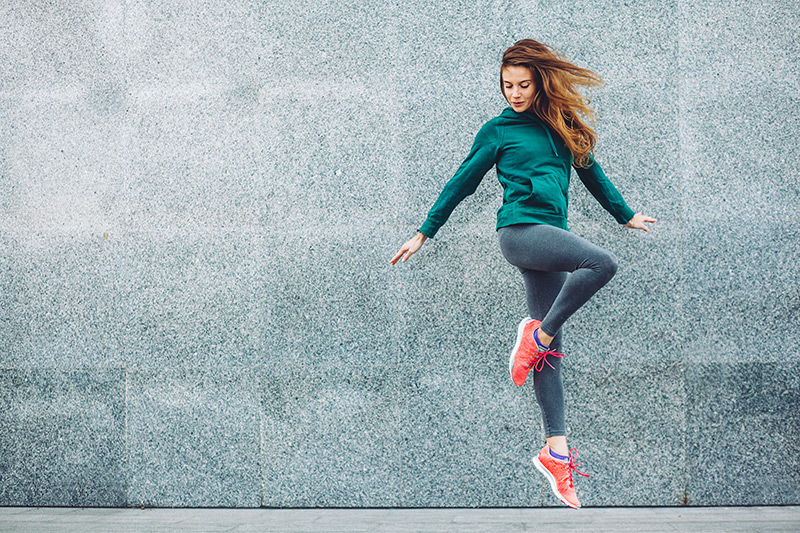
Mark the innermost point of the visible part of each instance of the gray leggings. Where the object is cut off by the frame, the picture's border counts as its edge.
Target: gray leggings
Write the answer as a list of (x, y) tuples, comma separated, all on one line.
[(545, 254)]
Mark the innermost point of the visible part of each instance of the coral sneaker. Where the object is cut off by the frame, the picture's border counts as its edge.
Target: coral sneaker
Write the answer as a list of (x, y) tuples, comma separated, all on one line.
[(526, 354), (559, 474)]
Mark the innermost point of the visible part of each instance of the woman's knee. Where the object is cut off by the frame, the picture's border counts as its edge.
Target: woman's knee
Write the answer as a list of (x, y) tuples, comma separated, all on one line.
[(607, 265)]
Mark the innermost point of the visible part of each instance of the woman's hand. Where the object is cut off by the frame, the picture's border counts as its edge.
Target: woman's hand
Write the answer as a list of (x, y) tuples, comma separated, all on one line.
[(410, 247), (638, 220)]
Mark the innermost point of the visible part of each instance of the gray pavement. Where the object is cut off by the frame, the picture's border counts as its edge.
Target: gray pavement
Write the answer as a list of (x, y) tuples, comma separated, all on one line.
[(641, 519)]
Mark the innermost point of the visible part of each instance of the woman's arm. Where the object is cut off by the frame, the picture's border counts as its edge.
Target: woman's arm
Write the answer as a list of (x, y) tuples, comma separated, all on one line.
[(595, 180), (466, 179), (609, 197)]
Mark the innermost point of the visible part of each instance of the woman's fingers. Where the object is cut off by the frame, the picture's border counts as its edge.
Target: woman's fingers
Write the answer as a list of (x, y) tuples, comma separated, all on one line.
[(409, 248), (646, 219), (399, 255), (638, 220), (406, 248)]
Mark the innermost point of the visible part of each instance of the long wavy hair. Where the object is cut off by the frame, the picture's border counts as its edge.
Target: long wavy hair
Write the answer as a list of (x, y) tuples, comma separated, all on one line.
[(556, 99)]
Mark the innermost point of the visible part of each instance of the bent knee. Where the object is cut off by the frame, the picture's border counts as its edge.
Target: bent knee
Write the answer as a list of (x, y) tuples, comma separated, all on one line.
[(609, 265)]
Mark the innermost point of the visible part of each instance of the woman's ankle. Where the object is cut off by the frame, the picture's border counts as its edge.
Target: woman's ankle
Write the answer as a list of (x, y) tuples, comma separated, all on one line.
[(558, 445), (542, 338)]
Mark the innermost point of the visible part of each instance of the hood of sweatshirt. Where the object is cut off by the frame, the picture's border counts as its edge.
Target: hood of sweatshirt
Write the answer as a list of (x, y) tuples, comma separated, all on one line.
[(529, 116)]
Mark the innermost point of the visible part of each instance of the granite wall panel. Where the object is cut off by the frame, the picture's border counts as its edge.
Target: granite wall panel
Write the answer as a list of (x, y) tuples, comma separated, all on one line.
[(742, 420), (61, 46), (60, 301), (447, 43), (330, 39), (191, 299), (646, 294), (440, 324), (739, 40), (199, 168), (627, 417), (192, 437), (744, 279), (333, 154), (735, 163), (63, 437), (335, 299), (438, 125), (174, 44), (65, 152), (468, 438), (620, 39), (200, 199), (331, 435), (639, 150)]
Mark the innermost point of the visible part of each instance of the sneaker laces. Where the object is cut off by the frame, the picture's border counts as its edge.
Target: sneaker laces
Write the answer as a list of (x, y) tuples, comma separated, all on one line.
[(572, 467), (537, 361)]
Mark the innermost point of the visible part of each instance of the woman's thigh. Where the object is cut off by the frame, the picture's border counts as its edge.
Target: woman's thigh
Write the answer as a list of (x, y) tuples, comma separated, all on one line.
[(550, 249)]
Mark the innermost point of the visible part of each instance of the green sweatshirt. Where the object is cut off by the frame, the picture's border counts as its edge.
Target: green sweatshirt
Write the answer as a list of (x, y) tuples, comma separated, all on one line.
[(533, 166)]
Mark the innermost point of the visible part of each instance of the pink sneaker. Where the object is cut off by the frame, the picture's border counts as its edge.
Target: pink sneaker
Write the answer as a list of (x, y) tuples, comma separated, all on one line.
[(559, 474), (526, 354)]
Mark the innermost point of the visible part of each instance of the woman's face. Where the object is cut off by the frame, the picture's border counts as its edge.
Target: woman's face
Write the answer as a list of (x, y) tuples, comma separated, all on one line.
[(518, 87)]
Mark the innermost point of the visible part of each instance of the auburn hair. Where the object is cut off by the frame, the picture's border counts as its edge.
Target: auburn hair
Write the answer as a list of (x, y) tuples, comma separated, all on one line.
[(556, 99)]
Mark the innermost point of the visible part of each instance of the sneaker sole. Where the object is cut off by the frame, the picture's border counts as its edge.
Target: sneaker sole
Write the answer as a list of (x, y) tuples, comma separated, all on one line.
[(553, 485), (520, 330)]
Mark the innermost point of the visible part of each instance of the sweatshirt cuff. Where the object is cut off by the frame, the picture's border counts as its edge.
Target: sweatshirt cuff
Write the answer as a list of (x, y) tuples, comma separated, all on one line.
[(428, 229), (625, 215)]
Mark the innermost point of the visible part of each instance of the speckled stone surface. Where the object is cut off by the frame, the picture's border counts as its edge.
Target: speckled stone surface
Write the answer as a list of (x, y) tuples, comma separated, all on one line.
[(200, 200), (64, 45), (192, 299), (441, 324), (331, 435), (645, 296), (60, 301), (743, 279), (192, 437), (622, 40), (638, 149), (738, 40), (468, 438), (62, 437), (627, 420), (735, 163), (65, 150), (335, 299), (742, 439), (193, 156)]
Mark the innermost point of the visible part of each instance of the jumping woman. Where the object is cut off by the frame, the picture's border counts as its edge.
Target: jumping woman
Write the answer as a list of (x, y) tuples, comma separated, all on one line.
[(534, 143)]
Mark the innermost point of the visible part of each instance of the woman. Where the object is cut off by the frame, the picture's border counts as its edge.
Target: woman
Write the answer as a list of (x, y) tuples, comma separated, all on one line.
[(534, 144)]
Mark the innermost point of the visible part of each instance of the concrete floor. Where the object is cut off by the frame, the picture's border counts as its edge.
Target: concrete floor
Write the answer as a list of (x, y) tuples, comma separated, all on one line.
[(688, 519)]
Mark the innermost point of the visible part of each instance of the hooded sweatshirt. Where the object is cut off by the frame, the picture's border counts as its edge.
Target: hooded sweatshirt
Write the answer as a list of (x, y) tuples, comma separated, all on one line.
[(533, 166)]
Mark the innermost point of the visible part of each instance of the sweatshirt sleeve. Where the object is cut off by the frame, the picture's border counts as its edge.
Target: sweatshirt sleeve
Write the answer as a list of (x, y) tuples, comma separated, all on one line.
[(480, 159), (604, 191)]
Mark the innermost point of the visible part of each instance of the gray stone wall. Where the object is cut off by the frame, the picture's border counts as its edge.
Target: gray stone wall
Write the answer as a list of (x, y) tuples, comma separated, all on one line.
[(199, 200)]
